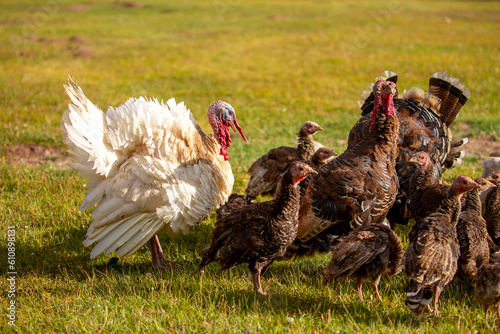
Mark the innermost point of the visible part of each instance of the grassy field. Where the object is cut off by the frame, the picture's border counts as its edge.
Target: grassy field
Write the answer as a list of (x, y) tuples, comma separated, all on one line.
[(279, 63)]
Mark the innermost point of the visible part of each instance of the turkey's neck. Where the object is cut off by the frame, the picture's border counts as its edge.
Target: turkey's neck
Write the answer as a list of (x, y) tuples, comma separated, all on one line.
[(305, 145), (451, 206), (473, 201), (287, 197), (421, 179), (317, 162)]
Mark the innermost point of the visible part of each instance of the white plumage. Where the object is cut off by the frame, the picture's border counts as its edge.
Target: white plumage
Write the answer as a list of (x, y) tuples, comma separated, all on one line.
[(150, 167)]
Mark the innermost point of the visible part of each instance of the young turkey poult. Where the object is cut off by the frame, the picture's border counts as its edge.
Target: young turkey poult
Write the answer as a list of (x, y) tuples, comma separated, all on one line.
[(257, 233), (366, 253), (487, 286), (430, 261), (265, 171), (491, 207), (472, 233), (150, 168)]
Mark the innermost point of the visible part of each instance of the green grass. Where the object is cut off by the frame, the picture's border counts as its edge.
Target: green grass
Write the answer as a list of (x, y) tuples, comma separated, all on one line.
[(279, 64)]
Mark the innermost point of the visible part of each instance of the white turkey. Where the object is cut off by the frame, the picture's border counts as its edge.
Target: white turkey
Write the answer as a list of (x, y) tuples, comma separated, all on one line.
[(150, 167)]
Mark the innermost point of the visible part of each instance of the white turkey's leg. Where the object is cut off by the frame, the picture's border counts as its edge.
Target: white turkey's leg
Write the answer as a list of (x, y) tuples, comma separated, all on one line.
[(159, 260)]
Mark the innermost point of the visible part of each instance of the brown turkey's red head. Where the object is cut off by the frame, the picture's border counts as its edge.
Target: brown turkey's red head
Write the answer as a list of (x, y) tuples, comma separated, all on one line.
[(222, 116), (299, 171), (421, 159), (310, 128), (324, 153), (463, 184), (384, 92)]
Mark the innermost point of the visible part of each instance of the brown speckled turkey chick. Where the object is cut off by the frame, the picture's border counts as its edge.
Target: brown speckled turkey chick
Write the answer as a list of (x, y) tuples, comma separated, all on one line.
[(424, 126), (491, 208), (487, 286), (257, 233), (265, 171), (472, 233), (430, 262), (366, 253), (359, 186), (425, 196), (321, 157)]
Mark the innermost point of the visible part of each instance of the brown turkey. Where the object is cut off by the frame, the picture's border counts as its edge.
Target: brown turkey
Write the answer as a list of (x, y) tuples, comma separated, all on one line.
[(472, 233), (491, 212), (357, 187), (424, 126), (265, 171), (257, 233), (430, 261), (487, 287), (366, 253)]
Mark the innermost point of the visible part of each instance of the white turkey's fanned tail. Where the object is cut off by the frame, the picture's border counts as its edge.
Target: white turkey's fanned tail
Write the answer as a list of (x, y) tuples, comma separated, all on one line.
[(84, 126)]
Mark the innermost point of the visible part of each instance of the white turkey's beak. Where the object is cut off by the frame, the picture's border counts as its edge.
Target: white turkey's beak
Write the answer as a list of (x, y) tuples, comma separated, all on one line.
[(236, 127)]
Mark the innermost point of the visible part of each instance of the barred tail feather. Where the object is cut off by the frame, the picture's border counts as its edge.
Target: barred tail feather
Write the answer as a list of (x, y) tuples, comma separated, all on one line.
[(452, 93), (419, 298)]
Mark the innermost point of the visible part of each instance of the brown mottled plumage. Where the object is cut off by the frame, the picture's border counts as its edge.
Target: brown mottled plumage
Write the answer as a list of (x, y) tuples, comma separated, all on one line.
[(472, 233), (357, 187), (424, 120), (257, 233), (430, 262), (235, 201), (491, 208), (366, 253), (265, 171), (487, 287)]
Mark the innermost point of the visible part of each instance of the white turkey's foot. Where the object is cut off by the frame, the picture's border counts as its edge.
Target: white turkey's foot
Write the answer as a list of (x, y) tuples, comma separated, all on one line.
[(158, 258)]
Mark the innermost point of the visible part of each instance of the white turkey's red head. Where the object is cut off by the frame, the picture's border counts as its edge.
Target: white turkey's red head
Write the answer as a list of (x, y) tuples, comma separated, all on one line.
[(299, 171), (421, 159), (463, 184), (310, 128), (222, 116), (384, 92)]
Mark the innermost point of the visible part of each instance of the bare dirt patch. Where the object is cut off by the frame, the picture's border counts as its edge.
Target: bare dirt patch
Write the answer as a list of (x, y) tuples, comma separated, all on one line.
[(33, 154), (482, 146)]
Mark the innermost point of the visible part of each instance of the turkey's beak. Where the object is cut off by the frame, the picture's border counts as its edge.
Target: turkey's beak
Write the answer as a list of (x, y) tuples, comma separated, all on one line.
[(236, 127)]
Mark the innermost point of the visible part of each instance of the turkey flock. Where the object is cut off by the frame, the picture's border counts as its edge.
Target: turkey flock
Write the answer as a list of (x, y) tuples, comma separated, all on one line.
[(151, 168)]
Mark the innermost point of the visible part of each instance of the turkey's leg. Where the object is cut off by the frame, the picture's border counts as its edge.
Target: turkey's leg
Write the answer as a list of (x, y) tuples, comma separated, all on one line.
[(375, 288), (437, 293), (359, 284), (158, 258), (255, 271)]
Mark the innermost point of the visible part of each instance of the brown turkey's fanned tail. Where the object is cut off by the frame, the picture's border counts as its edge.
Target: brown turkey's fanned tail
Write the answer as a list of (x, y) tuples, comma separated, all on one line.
[(453, 95), (419, 298)]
